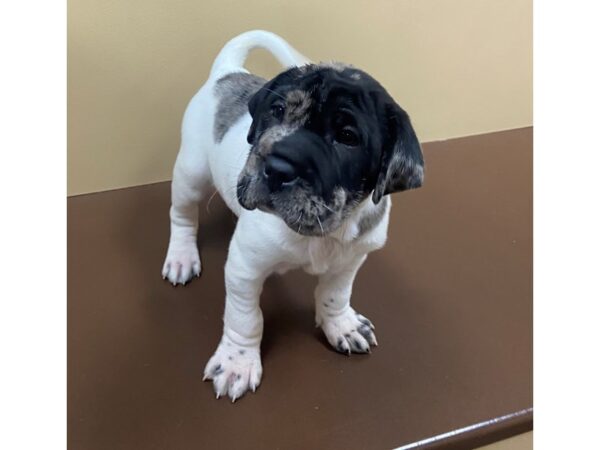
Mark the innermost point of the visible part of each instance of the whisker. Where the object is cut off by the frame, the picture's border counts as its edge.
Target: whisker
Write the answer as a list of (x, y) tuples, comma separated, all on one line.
[(230, 189), (276, 93), (210, 200), (318, 203), (321, 226), (298, 219), (300, 224)]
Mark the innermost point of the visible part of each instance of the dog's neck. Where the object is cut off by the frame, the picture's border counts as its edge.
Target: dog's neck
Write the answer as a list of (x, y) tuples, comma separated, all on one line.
[(323, 251)]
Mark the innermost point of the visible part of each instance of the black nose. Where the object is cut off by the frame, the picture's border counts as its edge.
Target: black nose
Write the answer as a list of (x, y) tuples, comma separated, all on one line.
[(279, 171)]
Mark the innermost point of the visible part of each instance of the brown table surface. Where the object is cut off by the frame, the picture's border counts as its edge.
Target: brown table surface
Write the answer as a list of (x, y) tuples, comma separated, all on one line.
[(450, 294)]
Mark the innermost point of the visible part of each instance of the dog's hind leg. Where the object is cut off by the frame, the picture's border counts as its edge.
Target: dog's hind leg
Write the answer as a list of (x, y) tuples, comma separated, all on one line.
[(191, 182)]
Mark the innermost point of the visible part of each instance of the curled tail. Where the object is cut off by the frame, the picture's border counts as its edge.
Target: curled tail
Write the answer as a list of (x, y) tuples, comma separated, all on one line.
[(233, 55)]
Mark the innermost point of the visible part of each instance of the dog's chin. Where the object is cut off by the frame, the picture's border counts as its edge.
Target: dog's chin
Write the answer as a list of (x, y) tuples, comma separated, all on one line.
[(311, 231), (301, 224), (303, 220)]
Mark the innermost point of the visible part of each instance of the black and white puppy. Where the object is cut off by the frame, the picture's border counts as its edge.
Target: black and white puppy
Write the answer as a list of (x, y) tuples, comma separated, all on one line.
[(305, 161)]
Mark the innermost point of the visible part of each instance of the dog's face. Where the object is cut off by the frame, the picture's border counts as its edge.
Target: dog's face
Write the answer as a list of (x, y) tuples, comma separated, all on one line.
[(323, 139)]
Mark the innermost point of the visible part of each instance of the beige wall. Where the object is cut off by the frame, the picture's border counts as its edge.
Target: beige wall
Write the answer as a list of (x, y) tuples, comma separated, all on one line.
[(458, 67)]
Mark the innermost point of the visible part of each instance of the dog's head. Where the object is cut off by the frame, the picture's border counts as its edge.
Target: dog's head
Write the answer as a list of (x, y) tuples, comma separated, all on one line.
[(324, 138)]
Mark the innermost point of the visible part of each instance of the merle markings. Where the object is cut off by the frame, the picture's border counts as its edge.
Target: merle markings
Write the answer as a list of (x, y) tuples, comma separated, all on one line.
[(233, 90)]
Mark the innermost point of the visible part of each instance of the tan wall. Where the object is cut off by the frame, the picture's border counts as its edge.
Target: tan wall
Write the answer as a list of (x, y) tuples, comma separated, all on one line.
[(459, 67)]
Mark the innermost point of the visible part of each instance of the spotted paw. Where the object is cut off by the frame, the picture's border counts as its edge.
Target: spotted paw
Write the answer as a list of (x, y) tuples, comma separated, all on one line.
[(349, 332), (234, 370), (182, 263)]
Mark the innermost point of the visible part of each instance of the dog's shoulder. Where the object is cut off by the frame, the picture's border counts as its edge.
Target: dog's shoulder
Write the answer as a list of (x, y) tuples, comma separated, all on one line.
[(233, 91)]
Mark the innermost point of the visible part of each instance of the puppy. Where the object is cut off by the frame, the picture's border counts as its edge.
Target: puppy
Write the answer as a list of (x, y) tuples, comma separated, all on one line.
[(305, 161)]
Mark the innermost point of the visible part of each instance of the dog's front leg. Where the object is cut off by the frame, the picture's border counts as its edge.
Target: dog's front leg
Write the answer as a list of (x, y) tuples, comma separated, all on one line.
[(346, 330), (190, 181), (236, 366)]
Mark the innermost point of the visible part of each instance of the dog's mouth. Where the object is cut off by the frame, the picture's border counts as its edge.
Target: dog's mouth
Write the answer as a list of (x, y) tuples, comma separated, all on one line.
[(302, 211)]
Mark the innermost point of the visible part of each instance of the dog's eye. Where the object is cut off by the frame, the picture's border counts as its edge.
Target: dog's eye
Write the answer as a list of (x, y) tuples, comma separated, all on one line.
[(348, 137), (277, 111)]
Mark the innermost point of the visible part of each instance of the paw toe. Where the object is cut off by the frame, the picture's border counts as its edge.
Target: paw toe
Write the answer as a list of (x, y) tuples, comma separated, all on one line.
[(182, 262), (238, 385), (180, 272), (342, 345), (362, 319), (349, 332), (359, 344), (196, 268), (185, 274), (233, 371), (255, 376), (367, 333), (220, 384), (174, 272)]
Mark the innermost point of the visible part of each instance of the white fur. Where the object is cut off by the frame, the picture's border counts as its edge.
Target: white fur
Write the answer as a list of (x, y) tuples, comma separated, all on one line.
[(262, 243)]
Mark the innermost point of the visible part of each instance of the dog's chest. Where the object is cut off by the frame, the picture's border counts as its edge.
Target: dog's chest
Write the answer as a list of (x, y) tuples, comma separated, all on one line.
[(318, 255), (324, 254)]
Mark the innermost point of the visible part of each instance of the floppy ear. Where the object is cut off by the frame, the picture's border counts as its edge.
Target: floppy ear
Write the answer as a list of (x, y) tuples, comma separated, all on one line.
[(402, 164)]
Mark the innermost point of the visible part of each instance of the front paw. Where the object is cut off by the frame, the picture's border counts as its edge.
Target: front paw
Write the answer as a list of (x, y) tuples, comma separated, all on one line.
[(182, 263), (234, 369), (348, 332)]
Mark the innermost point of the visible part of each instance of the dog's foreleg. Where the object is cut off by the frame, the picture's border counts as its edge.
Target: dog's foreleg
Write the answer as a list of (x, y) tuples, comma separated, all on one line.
[(236, 366), (346, 330), (191, 178)]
